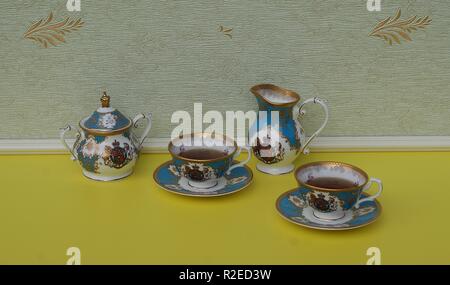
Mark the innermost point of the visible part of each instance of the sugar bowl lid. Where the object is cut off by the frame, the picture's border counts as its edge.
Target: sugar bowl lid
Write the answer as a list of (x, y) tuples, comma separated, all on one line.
[(105, 120)]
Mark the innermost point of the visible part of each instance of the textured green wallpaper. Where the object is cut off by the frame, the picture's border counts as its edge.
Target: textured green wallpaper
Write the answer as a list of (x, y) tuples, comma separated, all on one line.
[(162, 56)]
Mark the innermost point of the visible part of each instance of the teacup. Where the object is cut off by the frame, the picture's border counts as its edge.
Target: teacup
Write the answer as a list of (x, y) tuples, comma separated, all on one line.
[(204, 159), (331, 188)]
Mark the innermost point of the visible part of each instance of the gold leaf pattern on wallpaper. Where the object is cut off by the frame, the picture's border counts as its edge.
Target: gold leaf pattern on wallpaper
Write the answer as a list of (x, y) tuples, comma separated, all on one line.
[(394, 29), (226, 31), (48, 33)]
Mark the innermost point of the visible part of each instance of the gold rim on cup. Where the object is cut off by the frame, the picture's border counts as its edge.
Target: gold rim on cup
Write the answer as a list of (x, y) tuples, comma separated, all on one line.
[(202, 135), (337, 163)]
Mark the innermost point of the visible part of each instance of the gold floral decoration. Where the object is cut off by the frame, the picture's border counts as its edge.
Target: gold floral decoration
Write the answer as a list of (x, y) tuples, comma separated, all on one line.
[(47, 32), (394, 29), (227, 32)]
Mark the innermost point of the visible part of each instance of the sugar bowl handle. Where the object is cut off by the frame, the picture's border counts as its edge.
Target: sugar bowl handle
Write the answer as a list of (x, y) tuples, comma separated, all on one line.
[(148, 118), (371, 198), (242, 163), (62, 133), (299, 111)]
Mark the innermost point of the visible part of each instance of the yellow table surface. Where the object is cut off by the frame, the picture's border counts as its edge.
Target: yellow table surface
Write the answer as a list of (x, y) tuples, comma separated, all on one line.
[(47, 206)]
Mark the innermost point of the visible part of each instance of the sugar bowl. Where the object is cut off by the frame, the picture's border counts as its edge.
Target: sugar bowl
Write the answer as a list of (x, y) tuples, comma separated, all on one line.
[(106, 146)]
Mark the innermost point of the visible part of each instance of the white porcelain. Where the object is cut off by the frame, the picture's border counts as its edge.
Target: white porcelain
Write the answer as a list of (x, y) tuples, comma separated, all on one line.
[(293, 207), (206, 173), (106, 147), (278, 140), (332, 203), (170, 179)]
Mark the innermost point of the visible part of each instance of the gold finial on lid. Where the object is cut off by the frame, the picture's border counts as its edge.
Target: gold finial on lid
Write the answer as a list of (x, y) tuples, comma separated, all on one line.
[(105, 100)]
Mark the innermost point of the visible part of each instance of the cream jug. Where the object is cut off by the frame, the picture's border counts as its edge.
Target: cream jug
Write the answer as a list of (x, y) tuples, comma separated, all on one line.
[(278, 144)]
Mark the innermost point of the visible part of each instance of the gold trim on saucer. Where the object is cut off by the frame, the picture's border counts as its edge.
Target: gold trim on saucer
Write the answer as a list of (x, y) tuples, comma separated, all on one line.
[(201, 196), (318, 163), (277, 203), (285, 92)]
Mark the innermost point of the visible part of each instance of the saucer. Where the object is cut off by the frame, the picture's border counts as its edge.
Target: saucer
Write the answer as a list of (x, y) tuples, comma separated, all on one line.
[(168, 178), (295, 210)]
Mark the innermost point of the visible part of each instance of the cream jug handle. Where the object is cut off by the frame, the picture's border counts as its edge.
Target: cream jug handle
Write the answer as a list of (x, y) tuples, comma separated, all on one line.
[(371, 198), (242, 163), (300, 111), (148, 118), (62, 133)]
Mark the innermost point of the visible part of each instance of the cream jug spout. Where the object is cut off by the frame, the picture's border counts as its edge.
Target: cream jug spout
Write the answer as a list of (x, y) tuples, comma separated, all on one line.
[(274, 95)]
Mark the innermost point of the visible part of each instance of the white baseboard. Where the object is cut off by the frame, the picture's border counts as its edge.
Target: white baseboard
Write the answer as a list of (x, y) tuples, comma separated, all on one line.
[(321, 144)]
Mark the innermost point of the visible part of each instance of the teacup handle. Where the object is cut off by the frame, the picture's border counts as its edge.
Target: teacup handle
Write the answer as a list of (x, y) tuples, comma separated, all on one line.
[(371, 198), (148, 118), (62, 133), (299, 111), (242, 163)]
